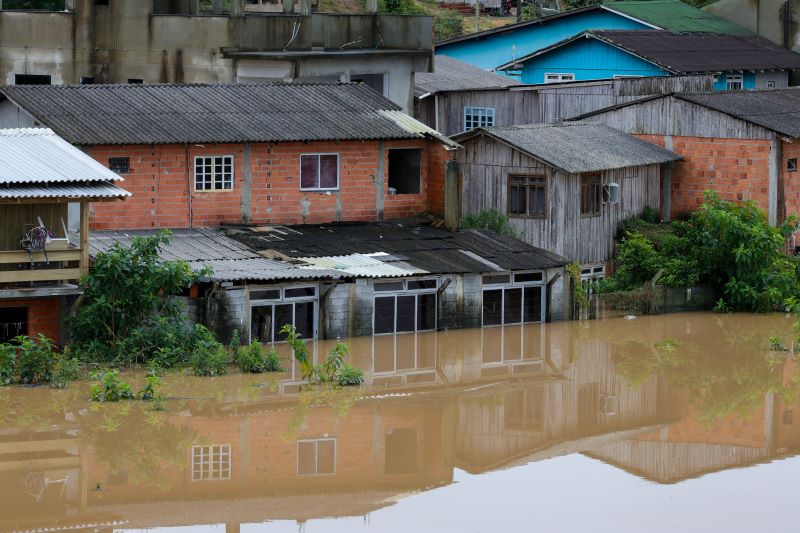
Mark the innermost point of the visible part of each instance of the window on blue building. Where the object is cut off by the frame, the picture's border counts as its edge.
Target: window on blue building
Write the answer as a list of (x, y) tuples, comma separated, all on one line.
[(478, 117), (734, 82), (558, 77)]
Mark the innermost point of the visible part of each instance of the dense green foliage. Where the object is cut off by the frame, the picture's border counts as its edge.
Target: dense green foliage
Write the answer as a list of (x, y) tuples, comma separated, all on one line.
[(128, 313), (45, 5), (490, 219), (110, 387), (36, 360), (729, 246), (209, 358), (334, 370)]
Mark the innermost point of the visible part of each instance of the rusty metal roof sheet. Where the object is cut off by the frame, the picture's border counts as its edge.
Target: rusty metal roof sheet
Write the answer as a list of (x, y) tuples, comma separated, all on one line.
[(216, 113)]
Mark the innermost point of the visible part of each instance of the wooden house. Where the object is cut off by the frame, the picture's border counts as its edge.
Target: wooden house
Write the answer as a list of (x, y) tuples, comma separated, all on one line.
[(565, 188), (45, 188)]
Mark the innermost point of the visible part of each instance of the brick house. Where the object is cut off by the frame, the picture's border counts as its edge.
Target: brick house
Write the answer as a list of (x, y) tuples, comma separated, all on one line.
[(206, 155), (741, 144), (42, 179)]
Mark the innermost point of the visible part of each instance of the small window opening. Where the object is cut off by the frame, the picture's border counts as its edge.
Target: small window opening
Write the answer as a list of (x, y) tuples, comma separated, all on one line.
[(405, 171), (770, 84), (120, 165), (31, 79), (13, 322), (791, 165), (135, 81), (87, 80), (101, 2), (590, 195)]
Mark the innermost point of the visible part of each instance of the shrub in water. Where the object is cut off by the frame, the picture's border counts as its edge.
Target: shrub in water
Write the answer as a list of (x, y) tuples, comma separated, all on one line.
[(34, 358), (110, 388), (272, 361), (251, 358), (209, 358), (65, 369), (350, 376), (8, 355), (151, 385)]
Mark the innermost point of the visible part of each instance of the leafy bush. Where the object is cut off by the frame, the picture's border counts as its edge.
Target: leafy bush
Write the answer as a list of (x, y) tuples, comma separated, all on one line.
[(650, 215), (776, 344), (65, 369), (333, 370), (128, 313), (490, 219), (350, 376), (8, 356), (34, 358), (251, 359), (209, 358), (110, 387), (151, 387), (272, 361)]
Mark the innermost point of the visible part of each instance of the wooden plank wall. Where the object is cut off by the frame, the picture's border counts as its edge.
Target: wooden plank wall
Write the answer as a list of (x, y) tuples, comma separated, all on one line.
[(486, 165), (16, 219)]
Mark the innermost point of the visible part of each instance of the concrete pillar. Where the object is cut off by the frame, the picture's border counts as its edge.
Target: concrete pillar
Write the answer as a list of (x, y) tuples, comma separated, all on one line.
[(69, 5), (452, 195), (666, 184), (305, 7), (246, 184), (371, 6), (379, 180), (288, 6), (775, 158), (237, 8)]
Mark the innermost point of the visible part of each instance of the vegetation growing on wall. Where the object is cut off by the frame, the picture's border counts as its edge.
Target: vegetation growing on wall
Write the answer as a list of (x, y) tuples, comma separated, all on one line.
[(491, 219)]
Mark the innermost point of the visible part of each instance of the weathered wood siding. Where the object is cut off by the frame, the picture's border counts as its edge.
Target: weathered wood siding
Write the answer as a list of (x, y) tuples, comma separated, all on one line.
[(486, 165), (671, 116), (17, 219)]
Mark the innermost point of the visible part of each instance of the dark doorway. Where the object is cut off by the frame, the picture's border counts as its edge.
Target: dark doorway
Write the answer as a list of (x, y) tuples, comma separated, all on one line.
[(13, 322), (405, 167)]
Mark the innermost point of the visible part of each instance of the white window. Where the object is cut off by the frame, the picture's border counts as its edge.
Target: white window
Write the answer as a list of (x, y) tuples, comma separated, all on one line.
[(558, 77), (213, 173), (319, 172), (591, 274), (513, 300), (316, 457), (271, 308), (770, 84), (734, 82), (211, 462), (478, 117), (405, 305)]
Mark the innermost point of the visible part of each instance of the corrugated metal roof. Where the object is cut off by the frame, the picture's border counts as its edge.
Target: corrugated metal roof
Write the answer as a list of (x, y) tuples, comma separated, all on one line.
[(65, 191), (229, 259), (360, 265), (453, 75), (577, 147), (38, 155), (211, 113), (675, 15)]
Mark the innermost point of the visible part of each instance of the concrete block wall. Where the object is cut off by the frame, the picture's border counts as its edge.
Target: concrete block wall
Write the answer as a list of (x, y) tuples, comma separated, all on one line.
[(229, 310), (557, 296), (363, 308), (266, 187), (336, 318), (471, 293)]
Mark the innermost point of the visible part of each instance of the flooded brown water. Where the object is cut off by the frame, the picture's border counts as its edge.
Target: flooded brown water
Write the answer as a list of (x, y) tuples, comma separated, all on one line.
[(682, 422)]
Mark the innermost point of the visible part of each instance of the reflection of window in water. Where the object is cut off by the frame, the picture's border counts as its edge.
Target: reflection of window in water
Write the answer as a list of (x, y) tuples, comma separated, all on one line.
[(316, 457), (524, 410), (272, 308), (588, 405), (405, 305), (404, 352), (402, 451), (513, 299), (512, 343), (211, 462)]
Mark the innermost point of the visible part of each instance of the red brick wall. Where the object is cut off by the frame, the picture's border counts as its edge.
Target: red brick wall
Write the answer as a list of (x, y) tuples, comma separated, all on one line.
[(44, 316), (162, 185), (791, 180)]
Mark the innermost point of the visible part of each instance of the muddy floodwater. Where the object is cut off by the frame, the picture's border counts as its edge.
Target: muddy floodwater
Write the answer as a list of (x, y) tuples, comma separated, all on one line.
[(684, 422)]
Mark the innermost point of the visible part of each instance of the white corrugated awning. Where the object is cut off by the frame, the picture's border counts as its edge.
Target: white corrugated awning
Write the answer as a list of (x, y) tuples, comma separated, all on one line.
[(361, 265)]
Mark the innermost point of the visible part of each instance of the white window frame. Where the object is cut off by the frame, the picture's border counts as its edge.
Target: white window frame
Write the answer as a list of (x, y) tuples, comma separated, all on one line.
[(405, 291), (319, 169), (559, 77), (736, 79), (507, 331), (225, 160), (316, 456), (417, 369), (513, 284), (478, 117), (207, 457), (591, 274), (770, 84), (283, 300)]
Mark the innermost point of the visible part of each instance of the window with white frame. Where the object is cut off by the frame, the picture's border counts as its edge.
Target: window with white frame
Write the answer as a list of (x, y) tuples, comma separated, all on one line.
[(213, 173), (402, 354), (478, 117), (211, 462), (514, 345), (319, 172), (316, 457), (271, 308), (405, 305), (734, 82), (558, 77), (591, 275), (770, 84), (513, 299)]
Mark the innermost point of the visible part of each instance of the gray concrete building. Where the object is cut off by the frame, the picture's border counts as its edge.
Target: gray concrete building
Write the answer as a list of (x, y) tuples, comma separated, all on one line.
[(192, 41)]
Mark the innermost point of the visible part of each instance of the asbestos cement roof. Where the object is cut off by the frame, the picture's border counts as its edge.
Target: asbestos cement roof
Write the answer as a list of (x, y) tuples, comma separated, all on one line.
[(216, 113), (37, 163), (775, 109), (576, 147), (389, 249), (453, 75), (229, 259)]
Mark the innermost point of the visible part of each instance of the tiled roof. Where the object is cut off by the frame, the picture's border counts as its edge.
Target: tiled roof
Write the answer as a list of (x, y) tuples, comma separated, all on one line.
[(216, 113), (453, 75), (37, 163), (577, 147), (409, 248)]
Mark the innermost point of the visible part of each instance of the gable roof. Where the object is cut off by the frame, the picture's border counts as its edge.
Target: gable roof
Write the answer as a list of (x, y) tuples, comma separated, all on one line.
[(577, 147), (394, 249), (673, 15), (453, 75), (686, 53), (774, 109), (37, 163), (217, 113)]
